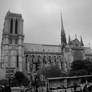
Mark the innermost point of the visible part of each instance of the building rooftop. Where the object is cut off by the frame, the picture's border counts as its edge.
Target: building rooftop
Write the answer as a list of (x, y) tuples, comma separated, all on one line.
[(11, 14), (41, 47)]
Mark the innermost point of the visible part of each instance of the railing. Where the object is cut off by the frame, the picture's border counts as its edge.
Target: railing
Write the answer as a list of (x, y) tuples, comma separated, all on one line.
[(69, 84)]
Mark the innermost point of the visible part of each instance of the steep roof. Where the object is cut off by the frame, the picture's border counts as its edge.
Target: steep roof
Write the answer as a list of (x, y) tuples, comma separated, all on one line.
[(42, 47)]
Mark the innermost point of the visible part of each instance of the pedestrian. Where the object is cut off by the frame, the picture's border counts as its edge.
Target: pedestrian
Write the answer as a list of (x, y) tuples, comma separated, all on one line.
[(75, 86), (85, 89)]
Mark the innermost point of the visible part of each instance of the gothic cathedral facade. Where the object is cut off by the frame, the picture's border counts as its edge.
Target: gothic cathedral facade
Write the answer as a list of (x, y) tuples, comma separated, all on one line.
[(12, 54), (29, 57)]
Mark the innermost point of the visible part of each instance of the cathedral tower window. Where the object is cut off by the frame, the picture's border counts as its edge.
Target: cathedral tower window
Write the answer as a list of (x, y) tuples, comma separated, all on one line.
[(11, 26), (38, 59), (16, 27), (33, 59), (17, 59)]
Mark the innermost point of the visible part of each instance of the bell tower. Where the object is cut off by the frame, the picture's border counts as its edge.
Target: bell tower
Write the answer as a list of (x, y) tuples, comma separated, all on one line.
[(12, 52)]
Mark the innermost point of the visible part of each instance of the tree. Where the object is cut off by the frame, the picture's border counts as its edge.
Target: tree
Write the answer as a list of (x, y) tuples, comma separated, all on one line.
[(88, 66), (52, 71), (21, 79), (77, 65), (78, 72), (81, 67)]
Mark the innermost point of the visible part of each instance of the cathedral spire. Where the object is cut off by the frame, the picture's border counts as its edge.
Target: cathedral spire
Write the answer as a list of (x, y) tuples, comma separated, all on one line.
[(69, 40), (82, 44), (63, 35), (62, 26)]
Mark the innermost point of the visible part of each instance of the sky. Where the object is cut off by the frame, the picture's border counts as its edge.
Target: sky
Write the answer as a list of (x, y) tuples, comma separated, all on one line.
[(42, 19)]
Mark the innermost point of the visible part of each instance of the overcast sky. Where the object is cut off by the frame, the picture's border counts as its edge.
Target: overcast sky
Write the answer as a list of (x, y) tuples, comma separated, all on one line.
[(42, 19)]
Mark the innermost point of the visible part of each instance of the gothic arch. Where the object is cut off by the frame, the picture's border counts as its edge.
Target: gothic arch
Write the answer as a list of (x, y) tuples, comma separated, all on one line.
[(38, 58), (26, 59), (16, 26), (32, 58), (11, 26)]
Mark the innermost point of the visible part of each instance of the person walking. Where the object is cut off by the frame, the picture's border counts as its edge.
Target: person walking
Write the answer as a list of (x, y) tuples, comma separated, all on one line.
[(85, 89)]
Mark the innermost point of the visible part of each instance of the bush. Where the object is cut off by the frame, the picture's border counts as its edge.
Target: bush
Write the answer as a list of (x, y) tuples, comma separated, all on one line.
[(21, 79), (81, 67), (53, 71)]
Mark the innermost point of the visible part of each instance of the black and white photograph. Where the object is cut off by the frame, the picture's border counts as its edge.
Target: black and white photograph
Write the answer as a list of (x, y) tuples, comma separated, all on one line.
[(45, 46)]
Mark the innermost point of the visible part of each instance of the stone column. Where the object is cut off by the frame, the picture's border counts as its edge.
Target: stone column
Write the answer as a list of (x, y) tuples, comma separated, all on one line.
[(21, 59), (20, 26)]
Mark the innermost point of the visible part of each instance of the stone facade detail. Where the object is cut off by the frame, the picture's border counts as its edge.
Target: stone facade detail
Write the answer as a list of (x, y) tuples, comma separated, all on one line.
[(12, 52), (29, 57)]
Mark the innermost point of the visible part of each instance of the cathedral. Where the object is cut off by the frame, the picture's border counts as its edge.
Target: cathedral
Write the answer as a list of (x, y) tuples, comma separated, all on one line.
[(30, 57)]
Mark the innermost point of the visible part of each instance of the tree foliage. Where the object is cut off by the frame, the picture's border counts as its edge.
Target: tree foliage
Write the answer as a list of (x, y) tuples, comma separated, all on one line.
[(78, 72), (21, 79), (81, 67), (52, 71), (3, 82)]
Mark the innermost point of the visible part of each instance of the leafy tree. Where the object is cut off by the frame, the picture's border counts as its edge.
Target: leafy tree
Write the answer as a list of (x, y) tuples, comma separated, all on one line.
[(3, 82), (88, 66), (78, 72), (21, 79), (52, 71), (77, 65), (81, 67)]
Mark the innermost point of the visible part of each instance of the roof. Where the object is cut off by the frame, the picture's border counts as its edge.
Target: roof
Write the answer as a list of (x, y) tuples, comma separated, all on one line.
[(76, 42), (42, 48), (11, 14), (73, 77)]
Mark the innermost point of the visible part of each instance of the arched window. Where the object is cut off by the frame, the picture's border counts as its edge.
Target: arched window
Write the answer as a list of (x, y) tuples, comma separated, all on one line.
[(11, 26), (26, 58), (39, 59), (16, 27), (33, 58), (17, 59)]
